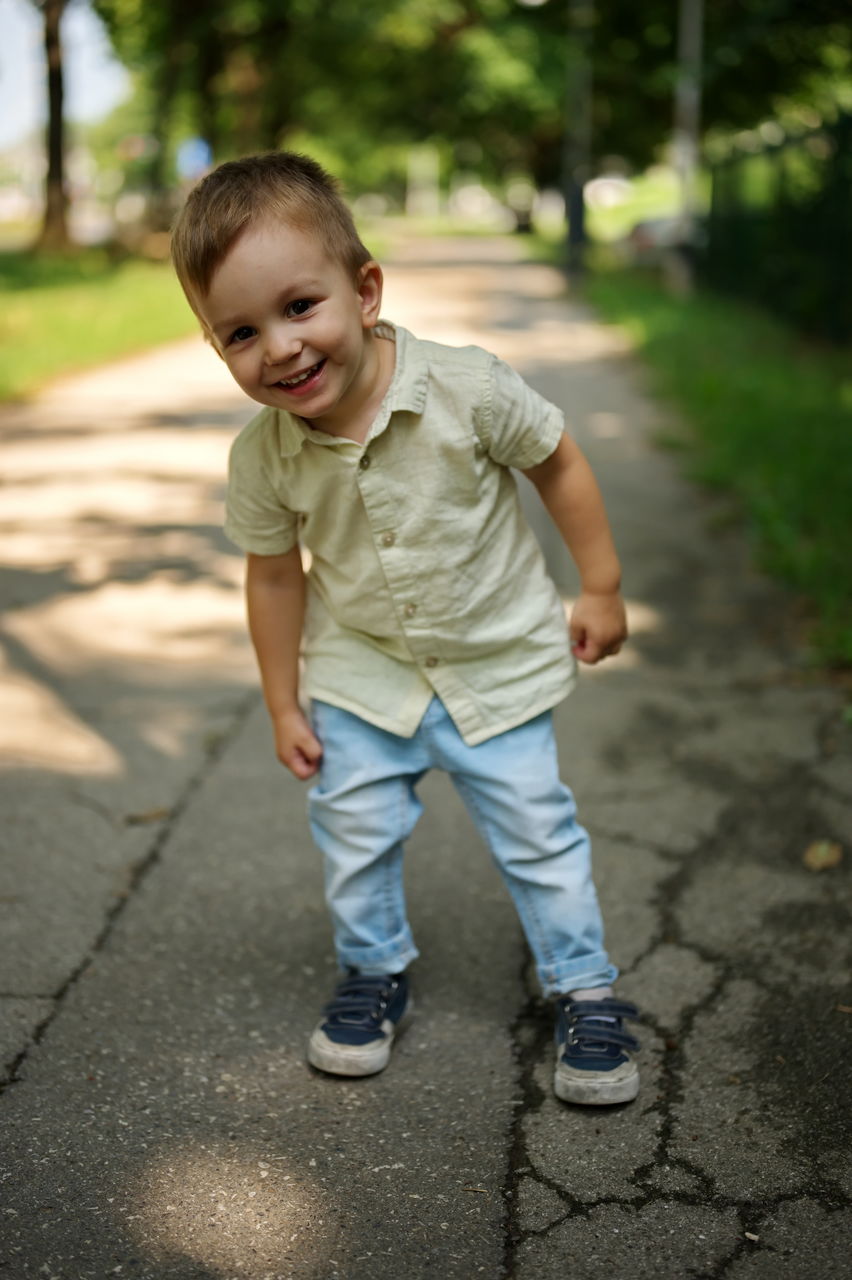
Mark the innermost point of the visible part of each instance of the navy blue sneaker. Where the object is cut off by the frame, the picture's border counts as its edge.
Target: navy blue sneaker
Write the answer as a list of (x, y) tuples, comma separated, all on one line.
[(593, 1062), (357, 1029)]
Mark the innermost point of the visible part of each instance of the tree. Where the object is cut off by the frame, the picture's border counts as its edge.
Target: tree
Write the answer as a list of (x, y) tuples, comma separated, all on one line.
[(54, 229), (486, 78), (756, 54)]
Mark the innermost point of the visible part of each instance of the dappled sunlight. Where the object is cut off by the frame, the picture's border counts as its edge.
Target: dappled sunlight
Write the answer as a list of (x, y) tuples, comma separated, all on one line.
[(527, 326), (559, 340), (232, 1213), (642, 619), (112, 497), (118, 582), (66, 493), (37, 730), (139, 451), (118, 586), (167, 727), (117, 549), (192, 378), (607, 426), (163, 624)]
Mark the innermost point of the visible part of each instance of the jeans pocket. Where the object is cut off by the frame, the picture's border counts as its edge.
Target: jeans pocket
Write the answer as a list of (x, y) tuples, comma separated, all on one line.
[(315, 714)]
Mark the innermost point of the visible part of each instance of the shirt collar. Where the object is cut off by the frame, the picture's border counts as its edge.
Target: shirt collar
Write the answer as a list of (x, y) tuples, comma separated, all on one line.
[(406, 393)]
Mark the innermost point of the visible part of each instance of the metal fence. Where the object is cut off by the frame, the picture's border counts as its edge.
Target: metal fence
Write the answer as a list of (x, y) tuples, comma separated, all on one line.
[(780, 227)]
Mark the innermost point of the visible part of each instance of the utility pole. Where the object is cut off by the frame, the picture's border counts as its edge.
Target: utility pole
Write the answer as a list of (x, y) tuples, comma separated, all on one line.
[(687, 110)]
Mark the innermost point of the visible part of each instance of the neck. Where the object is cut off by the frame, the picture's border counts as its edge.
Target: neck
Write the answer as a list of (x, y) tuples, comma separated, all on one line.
[(377, 373)]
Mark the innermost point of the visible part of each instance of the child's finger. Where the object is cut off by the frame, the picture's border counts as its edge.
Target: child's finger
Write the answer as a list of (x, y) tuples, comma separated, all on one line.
[(311, 747), (578, 635), (307, 753), (301, 766), (589, 651)]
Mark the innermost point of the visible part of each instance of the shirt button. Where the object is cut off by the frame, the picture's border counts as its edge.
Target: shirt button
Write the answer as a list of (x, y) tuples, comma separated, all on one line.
[(410, 610), (388, 539), (431, 662), (364, 461)]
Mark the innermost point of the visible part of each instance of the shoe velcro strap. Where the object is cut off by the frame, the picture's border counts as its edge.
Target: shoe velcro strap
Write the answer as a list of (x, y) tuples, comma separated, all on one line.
[(587, 1035), (355, 1010), (361, 1000), (598, 1008), (365, 984)]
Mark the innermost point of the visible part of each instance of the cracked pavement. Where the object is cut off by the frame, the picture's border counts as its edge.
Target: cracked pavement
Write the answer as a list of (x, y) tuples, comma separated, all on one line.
[(165, 950)]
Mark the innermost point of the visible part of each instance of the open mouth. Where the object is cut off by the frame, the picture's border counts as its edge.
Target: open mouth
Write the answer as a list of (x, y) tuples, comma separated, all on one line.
[(302, 381)]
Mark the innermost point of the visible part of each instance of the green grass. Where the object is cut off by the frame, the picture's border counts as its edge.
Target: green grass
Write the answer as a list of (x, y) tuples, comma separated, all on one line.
[(770, 419), (61, 314)]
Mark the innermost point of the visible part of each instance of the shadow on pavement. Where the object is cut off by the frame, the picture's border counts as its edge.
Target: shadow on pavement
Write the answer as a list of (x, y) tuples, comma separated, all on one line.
[(165, 949)]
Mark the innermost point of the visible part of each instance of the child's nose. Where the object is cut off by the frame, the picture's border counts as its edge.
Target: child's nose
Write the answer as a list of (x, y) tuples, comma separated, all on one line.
[(282, 343)]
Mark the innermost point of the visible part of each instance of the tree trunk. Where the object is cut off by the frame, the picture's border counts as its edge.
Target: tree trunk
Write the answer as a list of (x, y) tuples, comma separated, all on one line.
[(577, 146), (54, 230), (276, 97), (209, 66), (165, 90)]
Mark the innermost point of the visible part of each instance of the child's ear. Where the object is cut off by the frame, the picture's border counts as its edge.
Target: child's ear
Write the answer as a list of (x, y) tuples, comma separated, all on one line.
[(370, 281)]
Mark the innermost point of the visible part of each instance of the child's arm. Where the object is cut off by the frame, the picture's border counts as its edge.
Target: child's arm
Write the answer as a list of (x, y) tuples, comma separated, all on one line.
[(275, 593), (569, 491)]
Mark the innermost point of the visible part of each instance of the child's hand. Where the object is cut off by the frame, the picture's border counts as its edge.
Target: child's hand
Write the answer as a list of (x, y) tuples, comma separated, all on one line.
[(598, 626), (296, 744)]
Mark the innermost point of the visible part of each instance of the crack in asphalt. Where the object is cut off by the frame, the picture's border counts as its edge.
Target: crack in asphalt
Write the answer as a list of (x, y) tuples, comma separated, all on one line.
[(94, 806), (214, 747), (532, 1032)]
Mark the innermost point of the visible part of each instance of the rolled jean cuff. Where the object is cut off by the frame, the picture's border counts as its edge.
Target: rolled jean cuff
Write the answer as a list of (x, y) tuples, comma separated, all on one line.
[(573, 975), (388, 957)]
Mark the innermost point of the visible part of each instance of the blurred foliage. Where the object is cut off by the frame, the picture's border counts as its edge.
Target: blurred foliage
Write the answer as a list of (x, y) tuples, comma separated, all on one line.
[(486, 78), (62, 313), (780, 231), (770, 420)]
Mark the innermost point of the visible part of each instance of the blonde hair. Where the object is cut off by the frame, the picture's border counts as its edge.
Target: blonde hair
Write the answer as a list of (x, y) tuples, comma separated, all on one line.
[(282, 186)]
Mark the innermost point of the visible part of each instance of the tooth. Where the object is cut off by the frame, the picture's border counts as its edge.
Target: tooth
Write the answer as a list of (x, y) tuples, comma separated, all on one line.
[(294, 382)]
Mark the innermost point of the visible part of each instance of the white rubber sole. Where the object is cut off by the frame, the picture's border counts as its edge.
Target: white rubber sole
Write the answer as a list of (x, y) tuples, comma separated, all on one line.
[(354, 1059), (596, 1088)]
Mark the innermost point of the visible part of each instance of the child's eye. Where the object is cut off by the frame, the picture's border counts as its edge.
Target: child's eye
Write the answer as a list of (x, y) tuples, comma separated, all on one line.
[(300, 307), (242, 334)]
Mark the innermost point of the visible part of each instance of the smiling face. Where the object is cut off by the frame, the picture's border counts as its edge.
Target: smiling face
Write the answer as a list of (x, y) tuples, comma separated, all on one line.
[(294, 328)]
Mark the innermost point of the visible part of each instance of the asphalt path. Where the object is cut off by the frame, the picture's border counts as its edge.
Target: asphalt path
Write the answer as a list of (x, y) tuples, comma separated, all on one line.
[(165, 949)]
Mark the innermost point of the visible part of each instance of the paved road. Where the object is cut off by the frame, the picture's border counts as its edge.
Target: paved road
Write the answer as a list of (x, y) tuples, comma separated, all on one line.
[(165, 948)]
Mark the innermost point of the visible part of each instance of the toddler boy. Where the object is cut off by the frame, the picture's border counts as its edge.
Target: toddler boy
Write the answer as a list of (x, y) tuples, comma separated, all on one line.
[(432, 635)]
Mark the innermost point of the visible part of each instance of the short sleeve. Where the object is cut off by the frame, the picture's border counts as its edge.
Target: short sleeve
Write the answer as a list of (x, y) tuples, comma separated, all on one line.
[(255, 517), (522, 428)]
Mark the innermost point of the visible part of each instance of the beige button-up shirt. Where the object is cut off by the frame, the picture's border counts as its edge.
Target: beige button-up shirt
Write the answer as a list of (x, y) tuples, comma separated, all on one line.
[(425, 577)]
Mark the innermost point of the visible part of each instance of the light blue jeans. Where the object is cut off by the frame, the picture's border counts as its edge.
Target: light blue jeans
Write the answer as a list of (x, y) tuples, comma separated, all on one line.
[(364, 805)]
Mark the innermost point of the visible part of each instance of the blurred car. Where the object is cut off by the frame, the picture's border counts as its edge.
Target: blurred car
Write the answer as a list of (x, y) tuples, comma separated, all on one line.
[(652, 240)]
